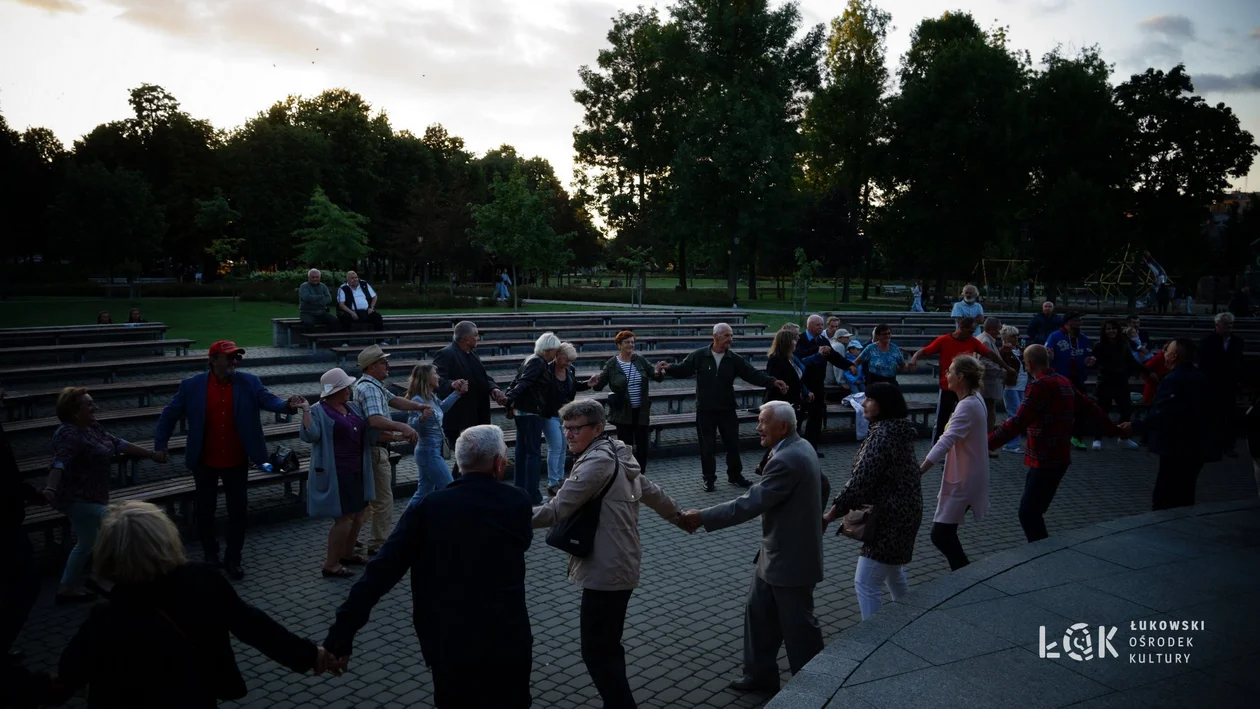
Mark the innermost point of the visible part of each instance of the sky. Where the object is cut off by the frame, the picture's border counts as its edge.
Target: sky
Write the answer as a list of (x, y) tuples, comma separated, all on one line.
[(502, 71)]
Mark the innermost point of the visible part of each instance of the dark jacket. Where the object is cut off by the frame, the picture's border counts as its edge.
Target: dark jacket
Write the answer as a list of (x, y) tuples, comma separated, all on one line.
[(15, 493), (1116, 363), (473, 408), (1183, 420), (465, 547), (715, 386), (612, 376), (886, 474), (815, 363), (530, 391), (249, 396), (781, 368), (1041, 327), (1223, 367), (129, 654), (562, 392)]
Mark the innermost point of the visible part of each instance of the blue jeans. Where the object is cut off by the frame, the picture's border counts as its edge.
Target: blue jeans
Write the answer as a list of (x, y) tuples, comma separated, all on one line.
[(554, 431), (85, 520), (529, 432), (433, 473), (1012, 398)]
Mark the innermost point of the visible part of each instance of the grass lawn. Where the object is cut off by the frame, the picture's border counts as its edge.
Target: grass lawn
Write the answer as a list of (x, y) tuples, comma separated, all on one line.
[(202, 319)]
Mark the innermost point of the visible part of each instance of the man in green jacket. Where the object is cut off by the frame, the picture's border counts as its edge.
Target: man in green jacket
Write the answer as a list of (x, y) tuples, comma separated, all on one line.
[(313, 300), (715, 368)]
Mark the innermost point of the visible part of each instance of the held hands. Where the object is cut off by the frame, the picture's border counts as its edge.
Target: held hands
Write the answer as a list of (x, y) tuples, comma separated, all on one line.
[(460, 385), (593, 381), (781, 386), (1126, 428), (831, 516), (810, 398), (159, 457), (327, 662), (498, 396), (660, 367), (1089, 361), (824, 350), (298, 402), (925, 466), (690, 521)]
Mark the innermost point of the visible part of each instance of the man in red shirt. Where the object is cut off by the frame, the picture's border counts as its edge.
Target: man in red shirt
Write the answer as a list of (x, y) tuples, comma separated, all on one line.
[(960, 341), (1048, 413), (225, 434)]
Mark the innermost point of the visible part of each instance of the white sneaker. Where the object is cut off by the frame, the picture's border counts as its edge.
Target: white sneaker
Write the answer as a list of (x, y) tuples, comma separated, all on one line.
[(1129, 443), (1097, 445)]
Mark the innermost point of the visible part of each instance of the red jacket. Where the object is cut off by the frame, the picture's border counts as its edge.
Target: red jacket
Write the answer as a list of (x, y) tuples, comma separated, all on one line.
[(1048, 413)]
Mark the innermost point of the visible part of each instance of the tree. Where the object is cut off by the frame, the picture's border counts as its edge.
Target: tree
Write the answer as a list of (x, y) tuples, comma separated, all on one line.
[(107, 218), (957, 166), (745, 76), (216, 217), (333, 235), (515, 226)]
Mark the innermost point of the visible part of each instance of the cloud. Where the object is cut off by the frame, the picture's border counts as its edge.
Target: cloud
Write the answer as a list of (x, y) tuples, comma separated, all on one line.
[(1040, 7), (1255, 32), (1171, 26), (1236, 83), (54, 5)]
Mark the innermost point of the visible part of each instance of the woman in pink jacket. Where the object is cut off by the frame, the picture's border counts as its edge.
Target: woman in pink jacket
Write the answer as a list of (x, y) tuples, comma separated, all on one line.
[(965, 447)]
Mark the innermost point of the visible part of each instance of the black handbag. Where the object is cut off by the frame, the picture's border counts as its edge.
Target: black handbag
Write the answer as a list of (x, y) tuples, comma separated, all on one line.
[(575, 534), (284, 460)]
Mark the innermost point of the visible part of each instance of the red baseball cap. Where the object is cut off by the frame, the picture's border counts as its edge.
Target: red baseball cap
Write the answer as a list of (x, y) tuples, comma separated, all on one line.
[(225, 347)]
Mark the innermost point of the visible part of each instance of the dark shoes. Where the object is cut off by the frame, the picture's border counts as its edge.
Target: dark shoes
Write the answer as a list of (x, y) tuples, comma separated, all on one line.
[(740, 481), (67, 599), (747, 685), (234, 571), (340, 573), (820, 455), (552, 490), (710, 486)]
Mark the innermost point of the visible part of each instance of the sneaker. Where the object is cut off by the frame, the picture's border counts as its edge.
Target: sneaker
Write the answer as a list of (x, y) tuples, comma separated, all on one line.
[(1097, 445), (710, 486), (1016, 449), (1129, 443), (1076, 443), (740, 481), (993, 454)]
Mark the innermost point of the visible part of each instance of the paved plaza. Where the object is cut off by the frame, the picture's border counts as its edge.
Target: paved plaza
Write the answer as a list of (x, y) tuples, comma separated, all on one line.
[(685, 622)]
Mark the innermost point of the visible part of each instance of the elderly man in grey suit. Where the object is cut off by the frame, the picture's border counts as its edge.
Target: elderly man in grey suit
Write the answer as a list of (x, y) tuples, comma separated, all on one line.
[(780, 604)]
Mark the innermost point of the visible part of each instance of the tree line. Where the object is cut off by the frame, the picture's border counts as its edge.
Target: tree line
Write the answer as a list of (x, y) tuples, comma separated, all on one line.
[(716, 137)]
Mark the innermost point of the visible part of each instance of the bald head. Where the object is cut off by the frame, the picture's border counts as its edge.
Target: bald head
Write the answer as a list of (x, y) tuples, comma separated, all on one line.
[(1036, 359), (814, 324), (722, 336)]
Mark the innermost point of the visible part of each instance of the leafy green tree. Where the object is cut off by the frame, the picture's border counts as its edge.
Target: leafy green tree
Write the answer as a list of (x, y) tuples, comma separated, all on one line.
[(516, 226), (108, 219), (333, 235), (216, 217)]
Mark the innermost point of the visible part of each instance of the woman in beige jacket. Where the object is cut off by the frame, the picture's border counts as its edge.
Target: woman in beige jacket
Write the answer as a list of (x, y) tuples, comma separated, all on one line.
[(611, 572)]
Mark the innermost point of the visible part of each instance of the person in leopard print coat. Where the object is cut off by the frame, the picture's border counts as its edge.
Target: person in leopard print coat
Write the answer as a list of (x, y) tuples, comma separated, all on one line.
[(886, 475)]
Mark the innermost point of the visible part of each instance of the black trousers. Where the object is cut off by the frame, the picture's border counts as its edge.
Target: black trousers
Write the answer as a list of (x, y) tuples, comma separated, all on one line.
[(603, 618), (708, 425), (1114, 396), (1039, 488), (207, 499), (20, 576), (1175, 483), (636, 436), (815, 417), (470, 687), (946, 402), (1226, 401), (373, 318), (945, 538)]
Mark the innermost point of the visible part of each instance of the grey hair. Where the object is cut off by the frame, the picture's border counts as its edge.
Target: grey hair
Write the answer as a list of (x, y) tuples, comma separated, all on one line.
[(1008, 330), (315, 271), (349, 273), (478, 446), (1224, 318), (991, 322), (971, 288), (548, 341), (718, 327), (464, 328), (568, 350), (814, 317), (590, 409), (780, 412)]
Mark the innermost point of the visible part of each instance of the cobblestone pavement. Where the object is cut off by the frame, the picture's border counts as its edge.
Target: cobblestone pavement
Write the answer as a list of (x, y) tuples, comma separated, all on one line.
[(685, 623)]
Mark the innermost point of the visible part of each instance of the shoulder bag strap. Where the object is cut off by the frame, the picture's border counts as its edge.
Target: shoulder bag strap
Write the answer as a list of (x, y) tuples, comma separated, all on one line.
[(616, 470)]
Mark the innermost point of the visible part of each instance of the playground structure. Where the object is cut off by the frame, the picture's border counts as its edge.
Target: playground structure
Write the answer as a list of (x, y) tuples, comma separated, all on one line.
[(1115, 278)]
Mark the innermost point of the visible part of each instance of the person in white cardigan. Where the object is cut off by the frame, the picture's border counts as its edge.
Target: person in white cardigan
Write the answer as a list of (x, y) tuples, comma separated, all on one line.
[(964, 445)]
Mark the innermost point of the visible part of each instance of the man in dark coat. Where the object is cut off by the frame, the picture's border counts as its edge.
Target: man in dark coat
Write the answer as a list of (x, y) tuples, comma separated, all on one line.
[(814, 342), (1221, 360), (1043, 324), (465, 547), (1179, 427), (458, 361), (20, 575)]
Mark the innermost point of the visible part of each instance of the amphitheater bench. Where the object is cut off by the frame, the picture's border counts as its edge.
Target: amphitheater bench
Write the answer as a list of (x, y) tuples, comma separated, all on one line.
[(80, 350)]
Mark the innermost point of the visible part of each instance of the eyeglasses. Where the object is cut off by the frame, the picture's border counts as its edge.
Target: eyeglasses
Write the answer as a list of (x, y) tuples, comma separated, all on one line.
[(573, 430)]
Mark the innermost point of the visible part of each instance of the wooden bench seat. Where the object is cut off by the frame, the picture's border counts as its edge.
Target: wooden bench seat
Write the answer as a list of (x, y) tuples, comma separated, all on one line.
[(80, 350), (646, 344), (64, 334), (23, 402), (318, 339)]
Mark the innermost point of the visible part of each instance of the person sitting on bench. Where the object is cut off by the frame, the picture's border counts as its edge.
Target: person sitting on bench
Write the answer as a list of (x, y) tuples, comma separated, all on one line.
[(356, 302), (313, 300)]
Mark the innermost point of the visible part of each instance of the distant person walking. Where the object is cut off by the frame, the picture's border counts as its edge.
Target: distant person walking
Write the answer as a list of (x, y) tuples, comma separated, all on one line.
[(916, 291), (313, 301), (221, 406), (964, 447)]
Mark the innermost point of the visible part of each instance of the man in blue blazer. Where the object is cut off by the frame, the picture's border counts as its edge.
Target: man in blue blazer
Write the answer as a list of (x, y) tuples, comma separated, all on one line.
[(224, 435), (1181, 427), (465, 547)]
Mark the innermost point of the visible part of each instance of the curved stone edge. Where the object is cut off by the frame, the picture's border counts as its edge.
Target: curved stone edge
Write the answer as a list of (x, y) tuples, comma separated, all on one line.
[(819, 680)]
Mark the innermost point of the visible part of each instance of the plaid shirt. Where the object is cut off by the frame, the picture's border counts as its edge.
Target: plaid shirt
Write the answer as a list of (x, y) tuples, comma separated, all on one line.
[(1048, 414), (372, 396)]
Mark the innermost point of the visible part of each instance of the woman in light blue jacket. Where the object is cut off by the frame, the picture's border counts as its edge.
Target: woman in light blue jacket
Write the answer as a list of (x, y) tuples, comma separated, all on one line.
[(341, 450), (431, 466)]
